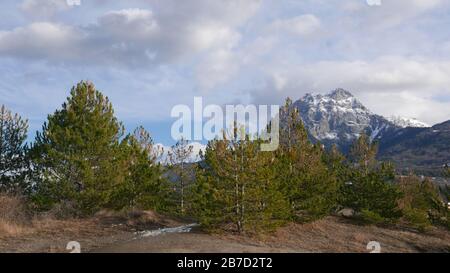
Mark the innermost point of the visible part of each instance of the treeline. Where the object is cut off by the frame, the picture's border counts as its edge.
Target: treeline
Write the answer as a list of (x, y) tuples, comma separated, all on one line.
[(254, 190), (82, 161)]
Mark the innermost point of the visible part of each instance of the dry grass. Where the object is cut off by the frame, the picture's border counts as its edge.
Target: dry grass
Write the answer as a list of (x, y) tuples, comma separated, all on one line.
[(10, 228), (48, 233), (22, 232), (329, 235), (14, 218), (339, 235)]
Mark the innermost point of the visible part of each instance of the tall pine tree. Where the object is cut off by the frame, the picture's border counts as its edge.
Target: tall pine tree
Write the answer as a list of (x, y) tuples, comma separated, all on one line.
[(304, 178), (236, 185), (78, 152)]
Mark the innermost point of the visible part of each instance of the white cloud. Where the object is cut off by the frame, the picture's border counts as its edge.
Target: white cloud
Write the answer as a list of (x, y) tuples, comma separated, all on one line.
[(128, 24), (40, 40), (396, 12), (230, 12), (300, 25), (217, 67), (128, 37), (207, 36), (163, 52), (43, 9), (412, 83), (407, 104)]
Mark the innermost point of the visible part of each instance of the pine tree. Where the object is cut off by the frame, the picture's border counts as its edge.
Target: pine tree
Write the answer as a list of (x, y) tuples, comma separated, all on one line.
[(371, 190), (78, 152), (363, 153), (179, 159), (336, 161), (421, 202), (338, 168), (211, 192), (266, 206), (144, 186), (236, 184), (305, 180), (13, 152)]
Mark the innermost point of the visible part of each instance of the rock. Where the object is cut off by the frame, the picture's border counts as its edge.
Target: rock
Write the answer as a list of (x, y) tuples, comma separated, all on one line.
[(347, 212)]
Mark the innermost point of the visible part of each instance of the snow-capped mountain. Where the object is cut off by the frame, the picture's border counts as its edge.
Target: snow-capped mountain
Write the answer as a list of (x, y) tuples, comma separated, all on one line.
[(407, 122), (339, 118)]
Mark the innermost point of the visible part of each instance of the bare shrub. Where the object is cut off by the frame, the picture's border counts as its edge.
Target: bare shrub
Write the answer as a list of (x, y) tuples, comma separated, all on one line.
[(13, 215)]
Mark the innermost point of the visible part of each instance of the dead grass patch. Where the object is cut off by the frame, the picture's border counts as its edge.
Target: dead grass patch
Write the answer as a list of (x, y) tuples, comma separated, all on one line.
[(14, 217)]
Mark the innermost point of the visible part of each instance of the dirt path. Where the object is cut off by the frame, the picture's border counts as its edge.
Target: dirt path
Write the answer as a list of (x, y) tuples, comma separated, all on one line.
[(328, 235), (186, 243), (152, 234)]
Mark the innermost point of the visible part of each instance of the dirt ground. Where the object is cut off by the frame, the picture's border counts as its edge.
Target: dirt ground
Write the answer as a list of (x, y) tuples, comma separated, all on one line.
[(48, 235), (332, 234), (115, 234)]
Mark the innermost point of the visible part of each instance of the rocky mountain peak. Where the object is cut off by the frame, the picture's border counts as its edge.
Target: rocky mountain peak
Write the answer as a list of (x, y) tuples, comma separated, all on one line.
[(340, 94), (339, 118)]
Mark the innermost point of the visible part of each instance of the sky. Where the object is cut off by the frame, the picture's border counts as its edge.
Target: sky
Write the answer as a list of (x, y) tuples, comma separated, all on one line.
[(149, 55)]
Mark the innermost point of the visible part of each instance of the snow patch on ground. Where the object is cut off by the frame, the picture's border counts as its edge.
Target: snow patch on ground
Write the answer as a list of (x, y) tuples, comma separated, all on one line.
[(153, 233)]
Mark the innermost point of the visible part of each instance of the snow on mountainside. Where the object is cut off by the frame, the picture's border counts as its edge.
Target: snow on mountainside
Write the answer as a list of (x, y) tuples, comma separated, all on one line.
[(407, 122), (339, 118)]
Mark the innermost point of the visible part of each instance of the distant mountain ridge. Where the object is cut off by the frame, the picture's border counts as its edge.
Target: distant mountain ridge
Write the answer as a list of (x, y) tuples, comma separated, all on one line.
[(407, 122), (423, 150), (339, 118)]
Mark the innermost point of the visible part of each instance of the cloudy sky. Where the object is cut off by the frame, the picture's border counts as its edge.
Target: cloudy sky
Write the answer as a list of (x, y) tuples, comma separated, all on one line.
[(149, 55)]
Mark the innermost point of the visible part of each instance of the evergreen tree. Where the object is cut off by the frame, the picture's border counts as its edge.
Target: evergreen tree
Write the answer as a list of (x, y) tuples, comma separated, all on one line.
[(371, 189), (363, 153), (13, 152), (78, 152), (236, 184), (421, 202), (305, 180), (338, 168), (144, 186), (268, 206), (179, 159), (209, 195)]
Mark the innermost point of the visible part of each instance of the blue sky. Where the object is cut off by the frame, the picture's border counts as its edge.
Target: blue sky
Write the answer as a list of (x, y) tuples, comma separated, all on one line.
[(150, 55)]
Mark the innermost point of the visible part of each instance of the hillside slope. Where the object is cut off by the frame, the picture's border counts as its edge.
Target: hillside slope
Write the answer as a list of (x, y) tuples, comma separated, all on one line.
[(424, 150)]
